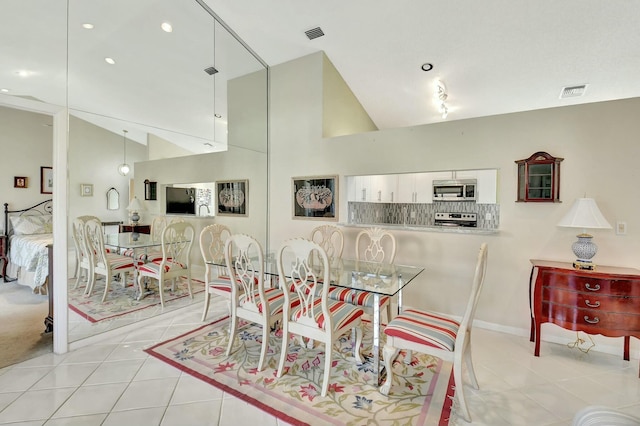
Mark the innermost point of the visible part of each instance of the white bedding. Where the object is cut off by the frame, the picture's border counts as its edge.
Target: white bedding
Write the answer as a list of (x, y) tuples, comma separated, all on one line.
[(30, 252)]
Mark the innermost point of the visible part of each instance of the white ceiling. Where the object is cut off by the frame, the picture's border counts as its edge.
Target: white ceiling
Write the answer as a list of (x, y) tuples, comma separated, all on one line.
[(495, 56)]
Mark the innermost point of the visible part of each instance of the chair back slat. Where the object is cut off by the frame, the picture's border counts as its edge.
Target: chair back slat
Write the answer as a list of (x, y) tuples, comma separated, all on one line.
[(245, 265), (330, 238), (177, 239), (212, 245), (305, 278), (376, 245), (95, 241), (474, 296)]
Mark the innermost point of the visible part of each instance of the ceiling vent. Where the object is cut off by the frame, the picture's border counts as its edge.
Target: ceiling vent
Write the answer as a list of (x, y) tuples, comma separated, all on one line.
[(314, 33), (573, 91), (210, 70)]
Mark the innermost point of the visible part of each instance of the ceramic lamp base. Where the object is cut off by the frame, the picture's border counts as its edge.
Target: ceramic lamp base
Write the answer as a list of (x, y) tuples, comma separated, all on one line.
[(584, 249), (135, 217)]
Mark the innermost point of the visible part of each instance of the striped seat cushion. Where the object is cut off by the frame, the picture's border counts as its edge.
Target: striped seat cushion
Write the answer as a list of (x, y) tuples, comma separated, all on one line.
[(221, 283), (425, 328), (275, 300), (118, 262), (355, 297), (154, 267), (342, 314)]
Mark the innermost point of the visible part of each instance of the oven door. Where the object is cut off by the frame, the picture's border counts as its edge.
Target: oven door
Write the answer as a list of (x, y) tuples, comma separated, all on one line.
[(451, 192)]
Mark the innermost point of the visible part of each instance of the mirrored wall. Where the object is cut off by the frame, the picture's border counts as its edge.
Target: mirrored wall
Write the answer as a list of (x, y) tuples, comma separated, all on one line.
[(165, 88)]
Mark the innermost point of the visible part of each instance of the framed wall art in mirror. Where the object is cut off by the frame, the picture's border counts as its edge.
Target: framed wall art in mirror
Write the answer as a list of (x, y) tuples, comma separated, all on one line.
[(86, 189), (232, 197), (113, 199), (20, 182), (315, 197), (46, 180)]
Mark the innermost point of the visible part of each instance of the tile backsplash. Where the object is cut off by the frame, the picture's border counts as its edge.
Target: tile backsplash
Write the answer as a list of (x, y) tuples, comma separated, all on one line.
[(414, 214)]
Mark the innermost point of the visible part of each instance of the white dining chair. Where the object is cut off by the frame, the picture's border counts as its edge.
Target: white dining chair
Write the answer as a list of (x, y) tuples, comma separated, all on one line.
[(438, 335), (83, 259), (103, 262), (217, 282), (250, 300), (177, 240), (373, 245), (315, 316)]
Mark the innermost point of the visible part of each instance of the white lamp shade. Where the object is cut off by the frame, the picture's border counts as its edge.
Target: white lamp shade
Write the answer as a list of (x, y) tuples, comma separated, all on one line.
[(135, 205), (584, 214)]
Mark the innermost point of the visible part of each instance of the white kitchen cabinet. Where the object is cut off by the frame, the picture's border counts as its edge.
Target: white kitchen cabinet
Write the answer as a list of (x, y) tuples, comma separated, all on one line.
[(384, 188), (487, 186), (415, 187)]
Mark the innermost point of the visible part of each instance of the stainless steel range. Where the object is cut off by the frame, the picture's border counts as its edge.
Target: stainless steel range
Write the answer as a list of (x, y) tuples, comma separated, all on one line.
[(456, 219)]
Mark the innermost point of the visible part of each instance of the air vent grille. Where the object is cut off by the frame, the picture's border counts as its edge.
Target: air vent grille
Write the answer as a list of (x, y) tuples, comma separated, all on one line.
[(210, 70), (314, 33), (573, 91)]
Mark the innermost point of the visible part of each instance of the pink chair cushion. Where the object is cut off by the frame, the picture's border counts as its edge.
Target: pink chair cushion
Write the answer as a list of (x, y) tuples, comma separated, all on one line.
[(275, 300), (425, 328), (355, 297)]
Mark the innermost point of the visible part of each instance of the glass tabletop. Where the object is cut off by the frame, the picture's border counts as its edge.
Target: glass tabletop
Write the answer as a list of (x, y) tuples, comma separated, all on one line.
[(130, 240), (382, 278)]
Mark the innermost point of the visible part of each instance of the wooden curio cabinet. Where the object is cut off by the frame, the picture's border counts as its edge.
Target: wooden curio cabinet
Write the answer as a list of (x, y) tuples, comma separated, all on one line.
[(539, 178)]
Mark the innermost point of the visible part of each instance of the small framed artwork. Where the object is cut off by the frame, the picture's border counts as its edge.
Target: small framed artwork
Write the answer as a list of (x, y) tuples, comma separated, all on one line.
[(232, 197), (46, 180), (86, 190), (315, 197), (20, 182)]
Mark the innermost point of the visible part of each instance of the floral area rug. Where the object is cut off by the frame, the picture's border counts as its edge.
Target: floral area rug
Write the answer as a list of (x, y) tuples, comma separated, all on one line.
[(122, 300), (421, 394)]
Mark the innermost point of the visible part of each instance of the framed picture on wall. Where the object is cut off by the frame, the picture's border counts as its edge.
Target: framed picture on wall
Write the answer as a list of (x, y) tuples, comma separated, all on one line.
[(315, 197), (20, 182), (232, 197), (46, 180)]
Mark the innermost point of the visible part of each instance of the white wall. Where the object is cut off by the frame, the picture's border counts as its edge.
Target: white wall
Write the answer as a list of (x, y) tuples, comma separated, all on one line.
[(26, 141), (598, 142)]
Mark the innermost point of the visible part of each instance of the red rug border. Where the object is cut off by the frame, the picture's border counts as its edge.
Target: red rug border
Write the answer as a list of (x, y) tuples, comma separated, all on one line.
[(93, 320), (445, 416), (223, 387)]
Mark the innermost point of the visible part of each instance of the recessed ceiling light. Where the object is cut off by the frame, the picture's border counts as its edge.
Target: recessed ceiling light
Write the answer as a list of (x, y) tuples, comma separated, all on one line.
[(166, 27), (3, 90), (87, 26), (110, 61), (427, 66)]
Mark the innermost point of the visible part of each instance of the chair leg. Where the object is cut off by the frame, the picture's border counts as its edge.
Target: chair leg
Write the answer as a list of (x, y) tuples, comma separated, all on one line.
[(469, 363), (388, 354), (284, 348), (189, 284), (328, 352), (107, 283), (232, 332), (358, 345), (265, 345), (207, 298), (457, 380), (161, 290)]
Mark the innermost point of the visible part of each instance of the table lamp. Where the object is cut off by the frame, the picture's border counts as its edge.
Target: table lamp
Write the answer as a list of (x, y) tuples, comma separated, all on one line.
[(584, 214), (135, 206)]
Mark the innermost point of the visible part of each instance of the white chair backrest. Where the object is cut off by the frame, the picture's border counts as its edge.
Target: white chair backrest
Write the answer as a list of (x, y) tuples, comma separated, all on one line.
[(95, 241), (376, 245), (79, 234), (157, 226), (212, 242), (298, 276), (177, 240), (245, 265), (330, 238), (476, 288)]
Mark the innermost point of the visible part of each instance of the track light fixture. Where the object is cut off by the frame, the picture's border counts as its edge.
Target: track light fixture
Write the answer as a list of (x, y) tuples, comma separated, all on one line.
[(441, 96)]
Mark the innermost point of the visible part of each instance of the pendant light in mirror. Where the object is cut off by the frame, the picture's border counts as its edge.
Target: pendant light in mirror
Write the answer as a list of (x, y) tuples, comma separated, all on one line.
[(124, 168)]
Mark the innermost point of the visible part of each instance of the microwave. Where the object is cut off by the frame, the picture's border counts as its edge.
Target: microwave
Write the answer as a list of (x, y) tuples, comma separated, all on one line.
[(455, 190)]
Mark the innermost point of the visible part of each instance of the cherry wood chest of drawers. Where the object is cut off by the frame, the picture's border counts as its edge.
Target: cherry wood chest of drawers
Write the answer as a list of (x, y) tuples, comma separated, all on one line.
[(604, 301)]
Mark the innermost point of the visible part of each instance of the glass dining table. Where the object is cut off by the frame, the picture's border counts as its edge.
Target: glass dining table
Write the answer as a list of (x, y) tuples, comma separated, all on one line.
[(379, 279), (136, 242)]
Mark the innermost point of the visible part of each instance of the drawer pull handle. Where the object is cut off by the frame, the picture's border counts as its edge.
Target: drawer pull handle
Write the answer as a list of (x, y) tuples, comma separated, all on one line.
[(594, 288), (592, 305), (595, 320)]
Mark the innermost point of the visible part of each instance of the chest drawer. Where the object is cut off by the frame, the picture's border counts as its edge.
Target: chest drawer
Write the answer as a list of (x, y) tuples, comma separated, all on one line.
[(592, 284), (593, 321), (596, 301)]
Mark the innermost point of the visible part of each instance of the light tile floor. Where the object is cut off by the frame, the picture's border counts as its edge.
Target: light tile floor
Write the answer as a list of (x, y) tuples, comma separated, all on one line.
[(114, 382)]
